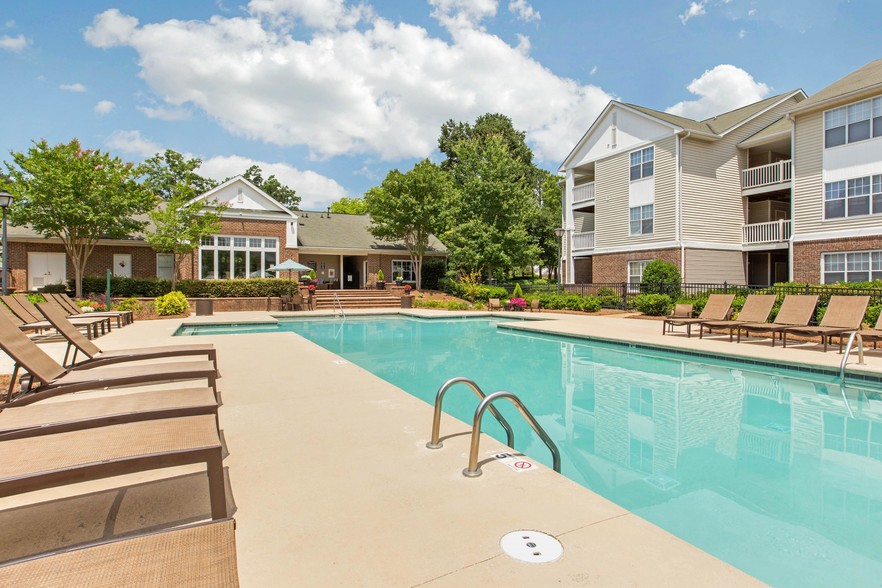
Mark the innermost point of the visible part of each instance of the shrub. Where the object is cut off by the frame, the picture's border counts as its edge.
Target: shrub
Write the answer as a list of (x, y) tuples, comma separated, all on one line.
[(130, 304), (171, 304), (54, 288), (653, 304), (661, 275), (380, 275), (609, 298), (517, 292), (872, 314), (35, 298), (432, 274)]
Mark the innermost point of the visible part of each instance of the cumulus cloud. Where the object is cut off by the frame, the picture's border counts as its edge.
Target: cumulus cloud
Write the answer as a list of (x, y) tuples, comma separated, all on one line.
[(720, 90), (73, 87), (15, 44), (132, 143), (320, 14), (104, 107), (167, 114), (315, 190), (382, 88), (523, 10), (695, 9)]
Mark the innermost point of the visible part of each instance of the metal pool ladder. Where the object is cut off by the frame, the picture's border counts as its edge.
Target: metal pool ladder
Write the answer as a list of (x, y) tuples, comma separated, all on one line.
[(851, 339), (340, 305), (473, 471)]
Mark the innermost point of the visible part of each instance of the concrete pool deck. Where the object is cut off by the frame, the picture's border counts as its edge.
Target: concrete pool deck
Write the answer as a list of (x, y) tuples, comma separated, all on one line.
[(333, 484)]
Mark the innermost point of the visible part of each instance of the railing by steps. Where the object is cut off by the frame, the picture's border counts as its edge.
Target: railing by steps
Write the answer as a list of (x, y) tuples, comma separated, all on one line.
[(766, 175)]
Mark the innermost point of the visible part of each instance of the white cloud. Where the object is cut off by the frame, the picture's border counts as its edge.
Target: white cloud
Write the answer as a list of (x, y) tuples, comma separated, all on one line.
[(383, 88), (132, 143), (104, 107), (320, 14), (742, 33), (593, 71), (15, 44), (720, 90), (315, 190), (168, 114), (73, 87), (523, 10), (695, 9), (751, 12)]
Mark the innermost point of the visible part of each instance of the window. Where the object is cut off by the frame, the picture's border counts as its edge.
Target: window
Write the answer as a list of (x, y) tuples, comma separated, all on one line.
[(834, 200), (642, 163), (404, 268), (855, 436), (859, 196), (855, 122), (854, 197), (222, 258), (641, 219), (856, 266), (165, 266), (641, 401), (641, 456), (635, 273)]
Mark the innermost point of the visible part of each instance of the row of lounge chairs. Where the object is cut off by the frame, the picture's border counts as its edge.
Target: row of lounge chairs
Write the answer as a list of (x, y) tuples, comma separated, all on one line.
[(844, 315), (48, 444)]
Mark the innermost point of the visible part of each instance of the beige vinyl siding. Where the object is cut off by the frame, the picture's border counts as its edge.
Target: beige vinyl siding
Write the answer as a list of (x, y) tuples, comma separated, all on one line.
[(714, 266), (583, 222), (665, 222), (713, 210)]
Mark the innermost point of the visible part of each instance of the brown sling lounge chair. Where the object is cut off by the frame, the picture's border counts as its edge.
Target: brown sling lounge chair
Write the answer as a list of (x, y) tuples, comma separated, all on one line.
[(123, 317), (493, 304), (756, 309), (27, 312), (868, 335), (196, 555), (844, 315), (39, 327), (795, 311), (96, 356), (61, 459), (54, 379), (715, 309), (680, 311)]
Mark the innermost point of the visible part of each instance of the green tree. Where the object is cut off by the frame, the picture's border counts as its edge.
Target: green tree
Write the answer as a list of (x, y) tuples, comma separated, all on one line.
[(181, 222), (78, 196), (548, 218), (349, 206), (165, 172), (486, 125), (284, 195), (407, 207)]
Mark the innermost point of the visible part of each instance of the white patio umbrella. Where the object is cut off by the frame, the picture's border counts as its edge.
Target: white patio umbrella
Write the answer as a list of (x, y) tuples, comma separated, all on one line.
[(289, 265)]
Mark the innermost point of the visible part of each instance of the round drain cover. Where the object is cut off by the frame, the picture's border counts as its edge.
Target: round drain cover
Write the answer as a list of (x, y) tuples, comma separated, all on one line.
[(531, 546)]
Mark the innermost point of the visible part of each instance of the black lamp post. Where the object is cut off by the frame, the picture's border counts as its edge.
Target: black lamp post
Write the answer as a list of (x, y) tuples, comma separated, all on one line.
[(560, 232), (5, 201)]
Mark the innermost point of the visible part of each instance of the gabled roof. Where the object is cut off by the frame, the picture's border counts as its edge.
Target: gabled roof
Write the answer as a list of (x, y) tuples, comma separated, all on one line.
[(276, 206), (347, 231), (779, 128), (865, 80), (679, 121), (728, 121)]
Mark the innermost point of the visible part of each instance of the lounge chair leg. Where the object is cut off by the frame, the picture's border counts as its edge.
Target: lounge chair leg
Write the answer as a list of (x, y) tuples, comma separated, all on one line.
[(216, 489)]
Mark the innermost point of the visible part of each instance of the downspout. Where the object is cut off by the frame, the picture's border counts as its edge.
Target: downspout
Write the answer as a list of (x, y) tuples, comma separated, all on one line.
[(792, 186), (678, 217)]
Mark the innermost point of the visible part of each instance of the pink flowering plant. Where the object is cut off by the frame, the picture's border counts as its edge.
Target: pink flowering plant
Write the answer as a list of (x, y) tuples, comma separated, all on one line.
[(520, 302)]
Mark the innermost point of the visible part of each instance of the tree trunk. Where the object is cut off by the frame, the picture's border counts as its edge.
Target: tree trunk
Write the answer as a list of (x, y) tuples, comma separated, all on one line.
[(174, 285)]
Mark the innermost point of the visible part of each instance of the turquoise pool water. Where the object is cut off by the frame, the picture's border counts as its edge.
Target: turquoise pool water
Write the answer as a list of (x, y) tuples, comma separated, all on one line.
[(764, 468)]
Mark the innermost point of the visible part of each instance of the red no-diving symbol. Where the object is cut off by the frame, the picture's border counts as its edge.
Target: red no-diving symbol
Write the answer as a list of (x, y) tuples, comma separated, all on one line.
[(523, 465)]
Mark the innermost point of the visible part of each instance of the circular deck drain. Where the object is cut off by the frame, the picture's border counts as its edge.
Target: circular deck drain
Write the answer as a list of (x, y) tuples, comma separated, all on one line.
[(531, 546)]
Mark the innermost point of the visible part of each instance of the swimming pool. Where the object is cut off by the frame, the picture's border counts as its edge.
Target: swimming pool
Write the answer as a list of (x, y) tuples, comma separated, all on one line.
[(764, 468)]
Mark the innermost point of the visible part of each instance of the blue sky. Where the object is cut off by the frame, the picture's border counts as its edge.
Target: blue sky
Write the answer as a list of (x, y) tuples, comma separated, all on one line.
[(330, 95)]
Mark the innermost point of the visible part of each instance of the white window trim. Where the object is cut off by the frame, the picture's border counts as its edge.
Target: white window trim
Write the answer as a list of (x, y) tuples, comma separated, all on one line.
[(633, 285), (846, 216), (172, 255), (845, 108), (248, 249), (404, 261), (642, 161), (846, 254), (641, 207)]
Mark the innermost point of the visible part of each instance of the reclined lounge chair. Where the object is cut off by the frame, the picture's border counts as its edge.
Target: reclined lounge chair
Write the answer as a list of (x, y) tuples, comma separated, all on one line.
[(756, 309), (873, 335), (54, 379), (28, 313), (716, 308), (795, 311), (493, 304), (844, 315), (96, 356), (123, 317), (681, 311)]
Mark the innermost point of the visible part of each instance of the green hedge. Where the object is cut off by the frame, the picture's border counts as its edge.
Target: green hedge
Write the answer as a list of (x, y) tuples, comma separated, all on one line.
[(153, 287), (568, 302)]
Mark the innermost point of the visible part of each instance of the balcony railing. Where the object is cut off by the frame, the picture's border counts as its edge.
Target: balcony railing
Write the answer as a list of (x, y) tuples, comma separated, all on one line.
[(583, 241), (772, 232), (583, 193), (766, 175)]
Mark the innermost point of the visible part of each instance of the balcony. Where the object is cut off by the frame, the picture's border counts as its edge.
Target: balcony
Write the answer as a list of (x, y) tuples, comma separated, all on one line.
[(766, 175), (771, 232), (583, 242), (583, 194)]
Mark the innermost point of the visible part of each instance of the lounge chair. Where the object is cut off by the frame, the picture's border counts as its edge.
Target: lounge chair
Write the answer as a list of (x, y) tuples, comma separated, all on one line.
[(716, 308), (534, 305), (756, 309), (123, 317), (54, 379), (844, 315), (680, 311), (868, 335), (494, 304), (196, 555), (795, 311), (96, 356), (27, 312), (39, 327), (61, 459)]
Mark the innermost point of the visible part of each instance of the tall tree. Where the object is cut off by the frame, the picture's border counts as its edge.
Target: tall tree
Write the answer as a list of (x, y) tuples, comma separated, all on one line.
[(165, 172), (486, 125), (548, 218), (78, 196), (407, 207), (286, 196), (181, 223), (349, 206)]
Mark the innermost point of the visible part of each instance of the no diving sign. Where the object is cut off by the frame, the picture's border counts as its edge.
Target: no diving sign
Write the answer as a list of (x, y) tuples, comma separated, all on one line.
[(515, 462)]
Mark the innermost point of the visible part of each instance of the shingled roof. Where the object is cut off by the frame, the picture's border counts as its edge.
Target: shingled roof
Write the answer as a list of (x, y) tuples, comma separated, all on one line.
[(347, 231), (854, 86)]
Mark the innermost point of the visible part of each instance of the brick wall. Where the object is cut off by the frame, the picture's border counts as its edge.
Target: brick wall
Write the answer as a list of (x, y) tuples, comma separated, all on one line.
[(582, 273), (807, 254), (613, 267)]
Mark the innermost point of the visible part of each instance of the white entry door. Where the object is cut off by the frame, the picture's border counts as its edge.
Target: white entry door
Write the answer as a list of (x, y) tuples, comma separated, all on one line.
[(45, 269), (122, 265)]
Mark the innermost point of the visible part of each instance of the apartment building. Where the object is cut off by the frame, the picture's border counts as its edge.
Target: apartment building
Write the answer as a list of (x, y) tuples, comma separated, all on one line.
[(788, 188)]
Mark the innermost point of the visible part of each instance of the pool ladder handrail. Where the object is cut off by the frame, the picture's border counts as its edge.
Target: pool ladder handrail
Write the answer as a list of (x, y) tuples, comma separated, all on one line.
[(340, 305), (851, 338), (436, 443)]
